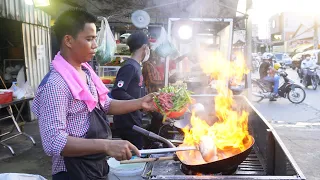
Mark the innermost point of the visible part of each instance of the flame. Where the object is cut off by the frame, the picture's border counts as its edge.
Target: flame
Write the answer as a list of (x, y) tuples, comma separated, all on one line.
[(230, 133)]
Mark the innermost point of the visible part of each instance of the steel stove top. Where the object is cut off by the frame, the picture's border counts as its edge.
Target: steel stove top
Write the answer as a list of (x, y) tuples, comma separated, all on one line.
[(167, 169)]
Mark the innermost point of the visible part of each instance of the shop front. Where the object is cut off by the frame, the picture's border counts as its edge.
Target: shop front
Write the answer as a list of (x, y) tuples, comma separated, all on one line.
[(25, 48)]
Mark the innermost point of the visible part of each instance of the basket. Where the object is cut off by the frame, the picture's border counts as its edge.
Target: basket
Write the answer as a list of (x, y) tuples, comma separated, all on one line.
[(6, 96)]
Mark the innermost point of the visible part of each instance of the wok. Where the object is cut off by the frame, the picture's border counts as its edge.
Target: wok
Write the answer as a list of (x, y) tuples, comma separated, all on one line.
[(223, 165)]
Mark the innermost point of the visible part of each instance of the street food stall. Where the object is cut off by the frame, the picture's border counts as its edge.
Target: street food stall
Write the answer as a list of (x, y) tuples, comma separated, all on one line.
[(201, 37)]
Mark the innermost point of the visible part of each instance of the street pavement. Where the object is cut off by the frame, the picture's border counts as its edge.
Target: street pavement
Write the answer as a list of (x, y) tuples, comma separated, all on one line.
[(298, 126)]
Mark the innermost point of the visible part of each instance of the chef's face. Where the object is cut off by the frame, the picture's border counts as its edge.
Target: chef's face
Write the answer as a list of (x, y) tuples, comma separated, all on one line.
[(83, 46)]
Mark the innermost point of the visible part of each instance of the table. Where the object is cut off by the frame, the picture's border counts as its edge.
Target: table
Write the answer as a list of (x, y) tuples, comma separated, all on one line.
[(15, 120)]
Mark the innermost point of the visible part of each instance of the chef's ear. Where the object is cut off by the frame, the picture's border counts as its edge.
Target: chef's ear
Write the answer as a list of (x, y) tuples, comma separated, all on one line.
[(68, 41)]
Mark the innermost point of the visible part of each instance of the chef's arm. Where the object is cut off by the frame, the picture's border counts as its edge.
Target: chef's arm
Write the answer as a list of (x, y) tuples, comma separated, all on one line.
[(119, 149), (118, 107), (81, 147)]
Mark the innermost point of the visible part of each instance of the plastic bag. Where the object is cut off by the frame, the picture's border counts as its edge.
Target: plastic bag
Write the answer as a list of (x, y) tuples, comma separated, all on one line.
[(21, 77), (106, 43), (29, 92), (163, 47), (22, 90)]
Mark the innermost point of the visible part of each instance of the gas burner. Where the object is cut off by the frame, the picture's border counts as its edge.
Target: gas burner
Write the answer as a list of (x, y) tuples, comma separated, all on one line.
[(188, 171)]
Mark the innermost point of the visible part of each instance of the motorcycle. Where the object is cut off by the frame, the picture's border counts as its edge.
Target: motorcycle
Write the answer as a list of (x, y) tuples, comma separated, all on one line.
[(262, 89), (311, 79)]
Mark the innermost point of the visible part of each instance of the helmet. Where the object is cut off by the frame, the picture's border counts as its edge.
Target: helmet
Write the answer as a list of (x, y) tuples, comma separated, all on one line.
[(276, 66), (268, 56)]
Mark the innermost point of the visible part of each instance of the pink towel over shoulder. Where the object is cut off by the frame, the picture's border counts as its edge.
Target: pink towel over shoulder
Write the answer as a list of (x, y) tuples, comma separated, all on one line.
[(77, 86)]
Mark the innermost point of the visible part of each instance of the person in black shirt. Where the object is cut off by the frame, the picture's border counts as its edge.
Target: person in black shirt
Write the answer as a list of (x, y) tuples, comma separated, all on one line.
[(129, 85), (267, 73)]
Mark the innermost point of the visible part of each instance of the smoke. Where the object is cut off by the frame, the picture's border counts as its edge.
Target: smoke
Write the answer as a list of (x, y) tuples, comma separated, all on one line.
[(195, 8)]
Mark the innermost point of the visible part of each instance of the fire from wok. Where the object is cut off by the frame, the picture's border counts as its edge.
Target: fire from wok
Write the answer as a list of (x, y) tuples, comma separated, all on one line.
[(229, 136)]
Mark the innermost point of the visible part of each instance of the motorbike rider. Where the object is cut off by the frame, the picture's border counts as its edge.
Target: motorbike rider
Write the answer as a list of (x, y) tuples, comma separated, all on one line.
[(268, 73), (305, 64)]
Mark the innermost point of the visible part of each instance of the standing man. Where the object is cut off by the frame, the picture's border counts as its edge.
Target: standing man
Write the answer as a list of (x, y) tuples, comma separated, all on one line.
[(153, 74), (129, 85), (71, 105)]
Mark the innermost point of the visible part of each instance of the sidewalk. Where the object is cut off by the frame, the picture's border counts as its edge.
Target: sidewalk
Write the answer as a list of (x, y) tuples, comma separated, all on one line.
[(303, 144), (28, 159)]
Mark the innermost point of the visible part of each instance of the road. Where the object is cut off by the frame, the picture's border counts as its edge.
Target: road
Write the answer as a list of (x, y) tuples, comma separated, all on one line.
[(298, 127)]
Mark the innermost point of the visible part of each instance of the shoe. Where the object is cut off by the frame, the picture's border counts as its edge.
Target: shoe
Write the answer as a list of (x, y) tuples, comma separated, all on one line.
[(300, 80), (272, 99)]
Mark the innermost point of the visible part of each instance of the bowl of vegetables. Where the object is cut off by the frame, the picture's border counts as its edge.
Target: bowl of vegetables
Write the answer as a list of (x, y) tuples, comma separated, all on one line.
[(172, 101)]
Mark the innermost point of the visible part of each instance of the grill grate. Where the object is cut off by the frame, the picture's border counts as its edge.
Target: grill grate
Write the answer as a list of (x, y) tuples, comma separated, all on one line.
[(251, 166)]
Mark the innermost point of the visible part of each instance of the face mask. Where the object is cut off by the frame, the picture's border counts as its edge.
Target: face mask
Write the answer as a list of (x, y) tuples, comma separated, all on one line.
[(308, 58), (146, 57)]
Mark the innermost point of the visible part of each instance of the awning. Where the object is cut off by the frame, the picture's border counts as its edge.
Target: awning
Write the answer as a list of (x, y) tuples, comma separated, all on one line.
[(302, 48)]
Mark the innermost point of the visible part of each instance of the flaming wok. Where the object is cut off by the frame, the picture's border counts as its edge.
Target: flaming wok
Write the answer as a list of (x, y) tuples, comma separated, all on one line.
[(222, 165)]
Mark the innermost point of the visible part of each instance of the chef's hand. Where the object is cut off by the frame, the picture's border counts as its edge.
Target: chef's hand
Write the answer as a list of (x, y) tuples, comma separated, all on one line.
[(147, 102), (121, 149)]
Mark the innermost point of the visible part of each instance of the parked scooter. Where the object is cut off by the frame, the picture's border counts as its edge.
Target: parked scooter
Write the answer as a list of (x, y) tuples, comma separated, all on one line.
[(312, 78), (262, 89)]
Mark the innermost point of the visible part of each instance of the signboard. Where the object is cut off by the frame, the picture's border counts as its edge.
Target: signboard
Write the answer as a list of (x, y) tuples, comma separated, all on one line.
[(278, 49), (40, 52)]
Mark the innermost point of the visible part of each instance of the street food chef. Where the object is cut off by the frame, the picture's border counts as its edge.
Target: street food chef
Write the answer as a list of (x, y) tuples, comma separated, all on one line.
[(71, 104)]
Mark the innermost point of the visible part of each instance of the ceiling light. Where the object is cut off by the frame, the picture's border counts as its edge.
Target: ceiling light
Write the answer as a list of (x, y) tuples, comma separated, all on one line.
[(185, 32)]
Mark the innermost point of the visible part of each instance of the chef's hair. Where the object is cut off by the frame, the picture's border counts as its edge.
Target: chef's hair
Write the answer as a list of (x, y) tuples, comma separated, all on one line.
[(71, 22), (137, 40)]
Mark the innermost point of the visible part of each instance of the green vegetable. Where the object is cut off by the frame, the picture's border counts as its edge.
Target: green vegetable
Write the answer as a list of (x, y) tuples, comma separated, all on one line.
[(180, 99)]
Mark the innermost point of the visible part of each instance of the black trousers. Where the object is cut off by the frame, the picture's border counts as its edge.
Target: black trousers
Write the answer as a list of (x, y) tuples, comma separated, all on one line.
[(61, 176)]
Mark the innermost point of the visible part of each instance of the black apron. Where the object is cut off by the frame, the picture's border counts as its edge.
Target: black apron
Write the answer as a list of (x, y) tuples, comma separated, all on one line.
[(91, 167)]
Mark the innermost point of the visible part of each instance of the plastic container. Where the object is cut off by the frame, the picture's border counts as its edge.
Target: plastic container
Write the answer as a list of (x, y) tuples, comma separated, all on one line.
[(6, 96), (106, 71), (108, 74), (125, 171)]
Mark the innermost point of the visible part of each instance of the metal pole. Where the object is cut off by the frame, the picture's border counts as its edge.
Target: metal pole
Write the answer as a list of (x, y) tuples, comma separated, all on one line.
[(315, 36), (167, 61), (249, 46)]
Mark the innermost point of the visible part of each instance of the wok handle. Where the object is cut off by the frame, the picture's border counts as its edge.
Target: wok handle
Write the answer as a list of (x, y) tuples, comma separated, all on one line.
[(141, 130), (166, 150), (142, 160), (152, 135)]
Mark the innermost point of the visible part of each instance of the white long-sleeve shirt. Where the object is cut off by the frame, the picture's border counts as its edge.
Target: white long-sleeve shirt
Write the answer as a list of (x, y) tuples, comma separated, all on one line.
[(307, 64)]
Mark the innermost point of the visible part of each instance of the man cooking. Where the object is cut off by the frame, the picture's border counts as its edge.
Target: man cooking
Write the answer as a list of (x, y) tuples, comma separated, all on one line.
[(71, 105), (129, 85)]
